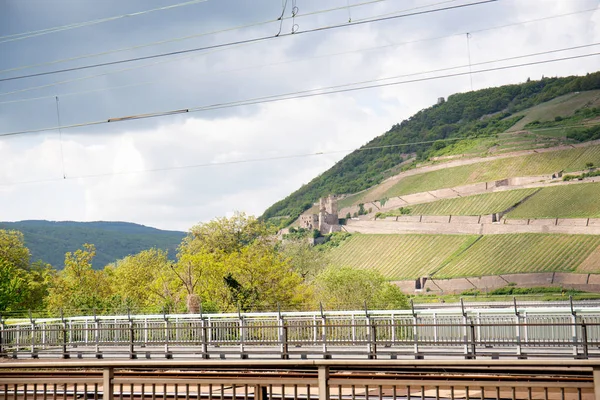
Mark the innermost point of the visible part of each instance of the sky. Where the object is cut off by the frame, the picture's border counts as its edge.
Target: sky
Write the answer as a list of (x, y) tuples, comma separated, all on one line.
[(175, 171)]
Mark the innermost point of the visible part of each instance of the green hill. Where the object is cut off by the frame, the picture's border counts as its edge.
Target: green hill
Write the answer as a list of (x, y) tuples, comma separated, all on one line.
[(49, 241), (474, 116)]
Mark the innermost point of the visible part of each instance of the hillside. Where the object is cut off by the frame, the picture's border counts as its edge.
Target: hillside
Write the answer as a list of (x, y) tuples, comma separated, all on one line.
[(49, 241), (400, 257), (475, 123)]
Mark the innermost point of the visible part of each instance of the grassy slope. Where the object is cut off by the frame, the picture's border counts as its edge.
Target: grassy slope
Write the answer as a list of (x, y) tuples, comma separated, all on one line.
[(533, 164), (480, 204), (562, 106), (570, 201), (398, 256), (516, 253), (410, 256)]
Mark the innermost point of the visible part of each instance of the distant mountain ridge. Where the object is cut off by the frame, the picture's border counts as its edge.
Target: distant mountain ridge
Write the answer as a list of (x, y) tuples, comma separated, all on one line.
[(50, 240)]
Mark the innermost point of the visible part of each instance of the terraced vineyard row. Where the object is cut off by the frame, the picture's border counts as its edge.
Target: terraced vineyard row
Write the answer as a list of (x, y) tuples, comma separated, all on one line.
[(533, 164), (398, 256), (517, 253), (480, 204), (568, 201)]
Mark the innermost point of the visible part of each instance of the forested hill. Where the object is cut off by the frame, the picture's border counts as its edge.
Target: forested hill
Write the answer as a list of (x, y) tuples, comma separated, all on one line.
[(49, 241), (484, 112)]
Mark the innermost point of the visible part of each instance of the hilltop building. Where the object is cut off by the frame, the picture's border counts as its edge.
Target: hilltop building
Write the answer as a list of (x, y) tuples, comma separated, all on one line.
[(327, 220)]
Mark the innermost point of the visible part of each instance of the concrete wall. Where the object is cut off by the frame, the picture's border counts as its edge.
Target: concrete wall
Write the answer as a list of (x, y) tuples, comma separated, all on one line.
[(440, 225), (586, 282)]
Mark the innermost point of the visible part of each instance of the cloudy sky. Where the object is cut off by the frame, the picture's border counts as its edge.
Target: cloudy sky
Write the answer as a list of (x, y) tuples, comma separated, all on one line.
[(154, 171)]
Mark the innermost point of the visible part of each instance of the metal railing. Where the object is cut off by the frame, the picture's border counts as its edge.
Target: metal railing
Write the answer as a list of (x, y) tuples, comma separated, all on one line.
[(512, 332), (301, 380)]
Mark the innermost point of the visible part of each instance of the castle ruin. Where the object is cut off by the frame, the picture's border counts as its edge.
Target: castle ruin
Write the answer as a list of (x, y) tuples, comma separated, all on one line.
[(327, 220)]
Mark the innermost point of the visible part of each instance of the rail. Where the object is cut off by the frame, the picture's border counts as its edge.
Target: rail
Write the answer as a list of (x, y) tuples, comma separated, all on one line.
[(494, 333), (301, 380)]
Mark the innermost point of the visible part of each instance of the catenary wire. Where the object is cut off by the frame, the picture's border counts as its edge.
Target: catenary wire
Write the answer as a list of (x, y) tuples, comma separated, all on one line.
[(292, 95), (183, 38), (262, 159), (238, 42), (40, 32), (253, 67)]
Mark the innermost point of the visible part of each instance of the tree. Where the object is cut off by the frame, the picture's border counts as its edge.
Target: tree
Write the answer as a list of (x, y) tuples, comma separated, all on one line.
[(22, 286), (136, 280), (348, 287), (304, 258), (13, 250), (78, 288), (231, 262)]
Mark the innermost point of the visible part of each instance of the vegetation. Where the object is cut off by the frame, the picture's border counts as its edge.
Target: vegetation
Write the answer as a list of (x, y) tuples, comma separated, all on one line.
[(49, 241), (225, 265), (480, 204), (517, 253), (398, 257), (529, 165), (464, 115), (567, 201)]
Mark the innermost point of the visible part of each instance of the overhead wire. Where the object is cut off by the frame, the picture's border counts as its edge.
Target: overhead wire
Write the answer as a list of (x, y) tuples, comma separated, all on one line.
[(304, 94), (46, 31), (263, 159), (183, 38), (252, 67), (242, 41)]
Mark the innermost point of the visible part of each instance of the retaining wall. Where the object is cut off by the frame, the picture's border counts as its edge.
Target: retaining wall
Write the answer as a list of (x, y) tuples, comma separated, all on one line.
[(585, 282)]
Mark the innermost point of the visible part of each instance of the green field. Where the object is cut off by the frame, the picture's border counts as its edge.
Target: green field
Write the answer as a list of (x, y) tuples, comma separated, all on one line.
[(534, 164), (481, 204), (401, 257), (518, 253), (398, 256), (568, 201)]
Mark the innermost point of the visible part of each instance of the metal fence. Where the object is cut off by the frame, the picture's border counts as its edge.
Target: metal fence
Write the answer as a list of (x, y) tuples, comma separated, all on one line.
[(515, 332), (301, 380)]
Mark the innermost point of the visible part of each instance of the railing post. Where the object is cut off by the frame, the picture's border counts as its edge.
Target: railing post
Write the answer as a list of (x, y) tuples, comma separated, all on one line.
[(168, 354), (324, 332), (373, 350), (64, 336), (32, 321), (323, 381), (97, 336), (205, 354), (415, 332), (584, 339), (242, 329), (473, 354), (132, 354), (283, 335), (2, 349), (465, 332), (518, 329), (108, 375), (574, 328)]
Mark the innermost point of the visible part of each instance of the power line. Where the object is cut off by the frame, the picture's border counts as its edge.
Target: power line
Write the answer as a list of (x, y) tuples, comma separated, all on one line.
[(309, 93), (261, 159), (238, 42), (182, 38), (30, 34), (253, 67)]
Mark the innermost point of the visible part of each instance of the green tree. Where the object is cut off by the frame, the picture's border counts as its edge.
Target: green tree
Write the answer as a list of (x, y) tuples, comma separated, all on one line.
[(78, 288), (136, 281), (349, 288), (22, 286), (304, 258)]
